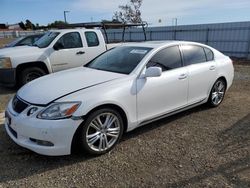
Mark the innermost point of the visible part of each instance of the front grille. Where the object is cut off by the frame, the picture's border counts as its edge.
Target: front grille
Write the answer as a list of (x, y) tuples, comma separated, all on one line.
[(18, 105)]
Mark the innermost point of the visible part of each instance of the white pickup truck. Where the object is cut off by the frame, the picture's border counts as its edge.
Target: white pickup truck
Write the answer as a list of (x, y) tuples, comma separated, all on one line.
[(57, 50)]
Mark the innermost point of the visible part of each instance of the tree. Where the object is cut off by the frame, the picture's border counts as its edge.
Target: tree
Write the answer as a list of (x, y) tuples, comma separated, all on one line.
[(29, 25), (129, 13), (22, 25), (58, 24)]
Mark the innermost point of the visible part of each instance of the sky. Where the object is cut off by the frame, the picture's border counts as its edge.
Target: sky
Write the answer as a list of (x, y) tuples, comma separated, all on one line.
[(186, 11)]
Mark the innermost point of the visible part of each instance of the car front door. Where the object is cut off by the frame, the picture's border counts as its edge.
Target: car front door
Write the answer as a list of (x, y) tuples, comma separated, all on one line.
[(201, 69), (68, 52), (158, 96)]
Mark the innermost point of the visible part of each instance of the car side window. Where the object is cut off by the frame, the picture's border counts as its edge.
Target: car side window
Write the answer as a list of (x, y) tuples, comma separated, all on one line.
[(91, 38), (193, 54), (70, 40), (209, 54), (168, 58)]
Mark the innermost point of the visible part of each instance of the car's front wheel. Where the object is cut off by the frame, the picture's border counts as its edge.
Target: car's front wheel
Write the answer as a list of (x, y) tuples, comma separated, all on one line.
[(101, 131), (217, 93)]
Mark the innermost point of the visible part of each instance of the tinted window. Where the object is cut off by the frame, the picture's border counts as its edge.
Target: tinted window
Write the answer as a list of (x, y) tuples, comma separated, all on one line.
[(168, 58), (209, 54), (193, 54), (120, 59), (92, 39), (71, 40)]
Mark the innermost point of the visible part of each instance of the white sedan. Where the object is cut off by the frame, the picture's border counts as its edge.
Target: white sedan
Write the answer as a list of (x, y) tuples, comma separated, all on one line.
[(92, 106)]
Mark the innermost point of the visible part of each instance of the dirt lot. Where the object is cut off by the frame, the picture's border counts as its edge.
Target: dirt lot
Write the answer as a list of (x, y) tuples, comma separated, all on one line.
[(201, 147), (4, 41)]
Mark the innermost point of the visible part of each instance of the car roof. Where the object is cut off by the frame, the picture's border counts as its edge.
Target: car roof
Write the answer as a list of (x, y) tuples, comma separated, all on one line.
[(158, 44)]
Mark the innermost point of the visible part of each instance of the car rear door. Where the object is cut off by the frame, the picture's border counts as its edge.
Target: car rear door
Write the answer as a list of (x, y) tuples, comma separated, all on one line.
[(158, 96), (202, 71), (95, 45)]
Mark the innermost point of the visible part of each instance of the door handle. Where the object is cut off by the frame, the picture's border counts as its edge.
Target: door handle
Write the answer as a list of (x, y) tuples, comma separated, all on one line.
[(80, 53), (182, 76), (212, 67)]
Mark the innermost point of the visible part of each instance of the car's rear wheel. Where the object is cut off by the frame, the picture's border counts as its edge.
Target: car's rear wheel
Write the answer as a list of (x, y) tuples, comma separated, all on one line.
[(29, 74), (101, 131), (217, 93)]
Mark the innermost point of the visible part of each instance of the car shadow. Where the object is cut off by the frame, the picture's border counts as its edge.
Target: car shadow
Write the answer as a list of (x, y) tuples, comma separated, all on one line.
[(233, 139), (18, 158), (7, 90), (162, 122)]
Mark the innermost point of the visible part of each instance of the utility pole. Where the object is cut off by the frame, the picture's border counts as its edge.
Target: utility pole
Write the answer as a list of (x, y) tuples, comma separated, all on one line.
[(174, 21), (64, 13)]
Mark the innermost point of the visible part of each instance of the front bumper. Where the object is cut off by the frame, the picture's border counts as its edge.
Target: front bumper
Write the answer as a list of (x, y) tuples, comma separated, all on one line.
[(8, 77), (26, 130)]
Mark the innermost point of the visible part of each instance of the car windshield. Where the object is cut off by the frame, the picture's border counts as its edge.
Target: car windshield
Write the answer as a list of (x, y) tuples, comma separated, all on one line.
[(46, 39), (13, 43), (120, 59)]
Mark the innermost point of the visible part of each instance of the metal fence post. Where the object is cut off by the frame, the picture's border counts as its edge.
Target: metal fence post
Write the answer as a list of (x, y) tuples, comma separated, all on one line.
[(130, 38), (17, 34), (174, 34), (207, 35), (248, 45)]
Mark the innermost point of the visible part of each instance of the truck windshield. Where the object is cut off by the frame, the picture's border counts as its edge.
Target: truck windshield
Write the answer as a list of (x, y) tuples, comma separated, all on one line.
[(46, 39), (120, 59), (13, 43)]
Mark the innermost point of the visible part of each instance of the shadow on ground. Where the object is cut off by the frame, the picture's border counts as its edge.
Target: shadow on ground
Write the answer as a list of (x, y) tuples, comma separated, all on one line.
[(6, 90), (234, 138), (15, 159), (17, 163)]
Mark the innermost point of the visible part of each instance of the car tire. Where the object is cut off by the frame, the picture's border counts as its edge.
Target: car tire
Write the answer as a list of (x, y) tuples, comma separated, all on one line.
[(29, 74), (101, 131), (217, 93)]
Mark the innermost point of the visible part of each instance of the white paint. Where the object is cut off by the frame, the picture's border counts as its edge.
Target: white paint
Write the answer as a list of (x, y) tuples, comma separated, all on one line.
[(141, 98)]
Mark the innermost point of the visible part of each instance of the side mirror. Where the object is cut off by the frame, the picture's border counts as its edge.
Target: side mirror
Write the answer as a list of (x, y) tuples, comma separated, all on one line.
[(58, 46), (153, 72)]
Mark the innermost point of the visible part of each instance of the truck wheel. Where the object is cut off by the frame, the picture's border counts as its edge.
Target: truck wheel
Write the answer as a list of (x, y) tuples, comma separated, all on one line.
[(29, 74)]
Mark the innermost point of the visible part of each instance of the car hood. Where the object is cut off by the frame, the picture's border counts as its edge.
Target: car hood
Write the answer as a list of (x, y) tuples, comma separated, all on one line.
[(18, 50), (49, 88)]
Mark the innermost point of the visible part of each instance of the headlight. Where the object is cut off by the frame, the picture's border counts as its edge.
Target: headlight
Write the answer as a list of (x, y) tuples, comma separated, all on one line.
[(5, 63), (59, 110)]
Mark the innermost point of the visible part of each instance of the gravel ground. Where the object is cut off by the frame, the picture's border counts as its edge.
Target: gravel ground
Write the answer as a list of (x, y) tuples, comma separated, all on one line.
[(4, 41), (201, 147)]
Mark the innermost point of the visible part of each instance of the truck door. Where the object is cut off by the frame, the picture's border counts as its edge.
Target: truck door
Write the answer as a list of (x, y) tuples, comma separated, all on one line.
[(95, 45), (68, 52)]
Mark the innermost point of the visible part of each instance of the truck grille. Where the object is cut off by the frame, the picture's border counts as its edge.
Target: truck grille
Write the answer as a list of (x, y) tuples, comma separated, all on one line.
[(18, 105)]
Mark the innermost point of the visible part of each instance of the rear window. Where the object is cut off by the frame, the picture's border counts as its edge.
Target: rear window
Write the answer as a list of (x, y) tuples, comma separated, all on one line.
[(92, 39), (193, 54), (209, 54)]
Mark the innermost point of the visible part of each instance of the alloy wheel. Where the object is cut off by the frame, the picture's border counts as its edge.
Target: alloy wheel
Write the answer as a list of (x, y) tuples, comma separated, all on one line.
[(103, 131), (218, 92)]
